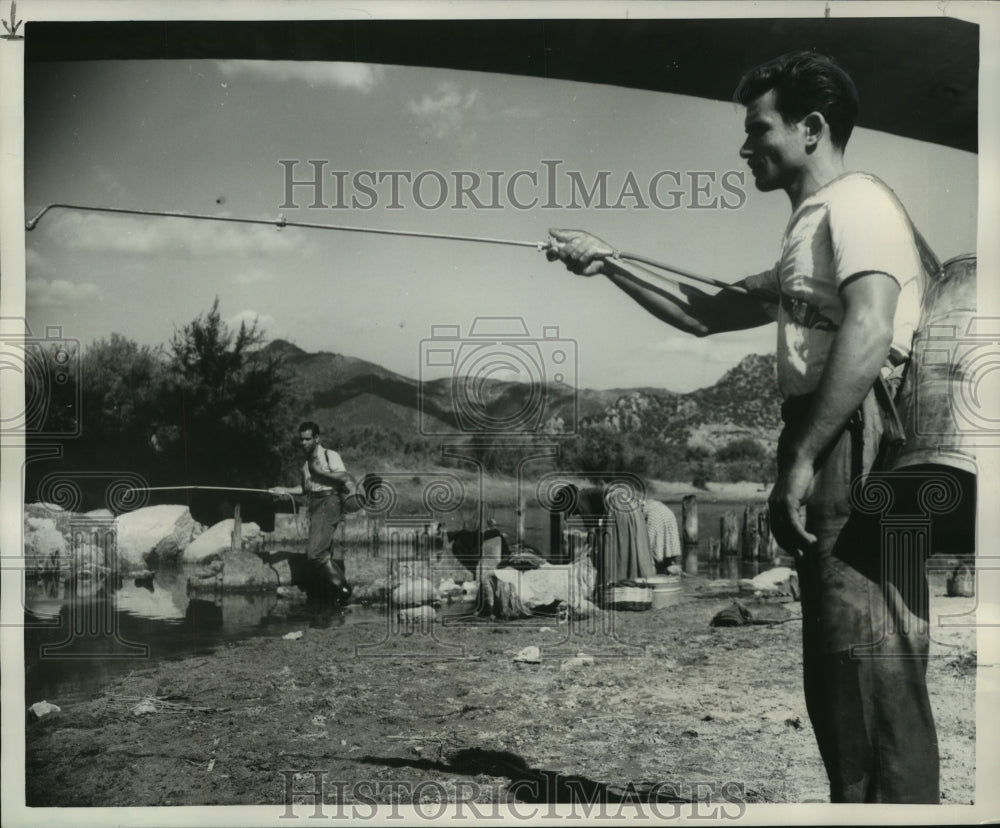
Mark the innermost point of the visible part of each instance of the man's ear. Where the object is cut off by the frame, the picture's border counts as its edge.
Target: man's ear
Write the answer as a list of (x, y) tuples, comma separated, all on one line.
[(815, 127)]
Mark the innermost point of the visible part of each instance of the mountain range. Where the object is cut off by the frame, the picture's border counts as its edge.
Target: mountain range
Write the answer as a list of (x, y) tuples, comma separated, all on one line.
[(350, 392)]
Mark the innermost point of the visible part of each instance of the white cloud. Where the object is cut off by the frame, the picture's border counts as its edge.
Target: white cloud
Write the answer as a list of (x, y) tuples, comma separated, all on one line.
[(361, 77), (727, 349), (59, 292), (446, 111), (265, 322), (147, 235)]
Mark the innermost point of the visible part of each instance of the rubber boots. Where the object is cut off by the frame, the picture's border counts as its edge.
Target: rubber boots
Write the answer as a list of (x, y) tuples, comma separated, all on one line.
[(331, 575)]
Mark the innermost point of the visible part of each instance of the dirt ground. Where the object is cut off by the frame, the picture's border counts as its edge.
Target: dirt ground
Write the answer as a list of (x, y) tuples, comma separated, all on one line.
[(670, 708)]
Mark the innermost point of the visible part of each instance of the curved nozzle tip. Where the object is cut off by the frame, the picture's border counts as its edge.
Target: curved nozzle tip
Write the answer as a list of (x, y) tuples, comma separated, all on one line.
[(31, 223)]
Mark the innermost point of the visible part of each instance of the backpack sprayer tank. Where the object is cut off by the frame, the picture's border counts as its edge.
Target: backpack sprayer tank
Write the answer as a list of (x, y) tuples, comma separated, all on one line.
[(937, 401)]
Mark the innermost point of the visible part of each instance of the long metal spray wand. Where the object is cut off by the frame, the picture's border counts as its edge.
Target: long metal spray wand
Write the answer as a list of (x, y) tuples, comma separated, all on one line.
[(646, 276), (211, 489)]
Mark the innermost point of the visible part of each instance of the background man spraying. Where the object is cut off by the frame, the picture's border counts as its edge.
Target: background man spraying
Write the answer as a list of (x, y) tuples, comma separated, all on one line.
[(845, 293), (325, 481)]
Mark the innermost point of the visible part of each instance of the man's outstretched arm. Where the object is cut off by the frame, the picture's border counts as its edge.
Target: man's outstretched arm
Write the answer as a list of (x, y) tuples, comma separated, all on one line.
[(685, 308)]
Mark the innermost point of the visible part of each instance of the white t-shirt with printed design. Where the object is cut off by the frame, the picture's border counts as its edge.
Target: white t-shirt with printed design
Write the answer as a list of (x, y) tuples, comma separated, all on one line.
[(851, 227)]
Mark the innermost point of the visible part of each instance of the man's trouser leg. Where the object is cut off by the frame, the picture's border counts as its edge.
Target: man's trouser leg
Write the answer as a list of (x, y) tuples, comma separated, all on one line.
[(324, 516), (865, 640)]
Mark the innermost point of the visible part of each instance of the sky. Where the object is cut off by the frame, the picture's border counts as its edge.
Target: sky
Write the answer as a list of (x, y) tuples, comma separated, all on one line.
[(209, 136)]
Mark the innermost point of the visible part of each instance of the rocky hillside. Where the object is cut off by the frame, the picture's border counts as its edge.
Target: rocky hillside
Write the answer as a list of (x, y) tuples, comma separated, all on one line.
[(351, 393), (743, 404)]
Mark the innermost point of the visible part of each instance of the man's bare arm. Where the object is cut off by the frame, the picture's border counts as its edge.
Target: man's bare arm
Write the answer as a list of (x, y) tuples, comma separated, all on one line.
[(686, 308)]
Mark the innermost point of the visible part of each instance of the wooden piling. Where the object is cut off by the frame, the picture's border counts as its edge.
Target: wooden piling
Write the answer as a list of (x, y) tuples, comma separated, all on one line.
[(689, 534), (236, 540), (764, 545), (729, 534), (713, 549), (557, 522), (731, 567), (751, 532)]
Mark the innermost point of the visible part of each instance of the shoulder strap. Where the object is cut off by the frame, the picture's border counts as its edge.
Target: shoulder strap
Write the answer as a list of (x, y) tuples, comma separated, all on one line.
[(930, 261)]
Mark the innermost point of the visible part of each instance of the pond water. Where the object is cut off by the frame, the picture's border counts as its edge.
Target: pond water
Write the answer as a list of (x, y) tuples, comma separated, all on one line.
[(75, 644)]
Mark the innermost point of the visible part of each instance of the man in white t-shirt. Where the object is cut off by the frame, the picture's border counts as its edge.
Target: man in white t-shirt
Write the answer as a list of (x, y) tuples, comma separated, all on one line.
[(325, 481), (846, 294)]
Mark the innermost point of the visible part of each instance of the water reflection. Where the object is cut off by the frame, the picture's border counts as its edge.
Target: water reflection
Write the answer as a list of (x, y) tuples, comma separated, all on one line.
[(732, 568), (77, 639)]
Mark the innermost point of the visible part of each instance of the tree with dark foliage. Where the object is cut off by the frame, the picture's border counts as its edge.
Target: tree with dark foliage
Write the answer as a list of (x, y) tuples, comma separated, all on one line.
[(227, 402)]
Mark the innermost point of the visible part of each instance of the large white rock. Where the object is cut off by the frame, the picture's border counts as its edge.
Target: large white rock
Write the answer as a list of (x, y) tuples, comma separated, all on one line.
[(238, 572), (51, 511), (154, 535), (45, 547), (216, 541)]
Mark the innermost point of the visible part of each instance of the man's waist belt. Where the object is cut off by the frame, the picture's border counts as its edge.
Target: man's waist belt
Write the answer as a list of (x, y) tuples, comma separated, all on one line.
[(806, 314), (317, 493)]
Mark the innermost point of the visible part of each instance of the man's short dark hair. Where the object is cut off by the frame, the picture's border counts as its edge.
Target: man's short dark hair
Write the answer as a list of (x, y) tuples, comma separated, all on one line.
[(805, 82), (309, 425)]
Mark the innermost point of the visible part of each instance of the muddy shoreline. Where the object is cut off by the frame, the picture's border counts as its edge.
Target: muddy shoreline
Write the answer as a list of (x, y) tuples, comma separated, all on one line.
[(445, 713)]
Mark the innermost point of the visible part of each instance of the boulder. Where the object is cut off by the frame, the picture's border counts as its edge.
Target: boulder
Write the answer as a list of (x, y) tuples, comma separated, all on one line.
[(45, 547), (240, 571), (216, 541), (57, 514), (154, 536)]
